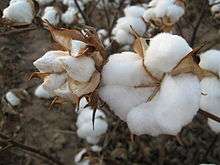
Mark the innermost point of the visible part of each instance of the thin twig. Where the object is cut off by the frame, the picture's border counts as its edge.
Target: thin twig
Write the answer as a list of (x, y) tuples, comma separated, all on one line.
[(209, 115), (30, 149), (17, 31), (106, 14), (85, 17), (195, 30)]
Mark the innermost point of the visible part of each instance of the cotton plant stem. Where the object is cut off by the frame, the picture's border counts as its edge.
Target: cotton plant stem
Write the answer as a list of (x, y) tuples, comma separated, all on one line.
[(209, 115), (16, 31), (12, 143)]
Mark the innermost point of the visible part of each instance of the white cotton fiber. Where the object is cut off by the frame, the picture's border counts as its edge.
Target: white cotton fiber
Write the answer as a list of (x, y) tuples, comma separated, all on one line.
[(42, 93), (126, 23), (19, 11), (134, 11), (174, 12), (124, 68), (54, 81), (210, 98), (102, 33), (149, 14), (64, 92), (215, 126), (44, 2), (210, 60), (49, 62), (107, 42), (12, 98), (51, 15), (178, 102), (215, 8), (92, 139), (164, 52), (79, 69), (76, 47), (123, 37), (69, 15), (161, 8), (122, 99)]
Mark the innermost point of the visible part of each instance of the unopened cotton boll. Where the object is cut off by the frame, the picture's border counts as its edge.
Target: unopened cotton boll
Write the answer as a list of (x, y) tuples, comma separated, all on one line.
[(121, 99), (12, 98), (79, 69), (19, 11), (54, 81), (42, 93), (123, 37), (69, 16), (44, 2), (210, 60), (134, 11), (137, 24), (210, 99), (124, 68), (164, 53), (51, 15), (49, 62)]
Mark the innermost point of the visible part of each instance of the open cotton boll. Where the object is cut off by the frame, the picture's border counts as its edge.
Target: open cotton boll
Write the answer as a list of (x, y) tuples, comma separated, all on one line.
[(44, 2), (12, 98), (121, 99), (79, 69), (164, 52), (76, 46), (124, 68), (215, 8), (149, 14), (54, 81), (153, 3), (92, 140), (69, 16), (49, 62), (86, 114), (64, 92), (19, 11), (102, 33), (141, 120), (107, 42), (178, 102), (210, 99), (123, 37), (134, 11), (42, 93), (215, 126), (137, 24), (161, 7), (86, 130), (210, 60), (174, 12), (51, 15)]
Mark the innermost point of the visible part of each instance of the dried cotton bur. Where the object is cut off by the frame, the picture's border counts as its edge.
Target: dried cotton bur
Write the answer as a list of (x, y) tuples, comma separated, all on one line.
[(69, 75), (148, 88), (19, 12)]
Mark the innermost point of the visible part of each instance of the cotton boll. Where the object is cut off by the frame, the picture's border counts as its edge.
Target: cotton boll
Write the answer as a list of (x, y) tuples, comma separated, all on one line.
[(122, 99), (134, 11), (153, 3), (141, 120), (64, 92), (51, 15), (86, 130), (19, 11), (123, 37), (44, 2), (210, 99), (96, 148), (69, 16), (149, 14), (79, 69), (83, 102), (174, 12), (79, 156), (92, 140), (76, 47), (42, 93), (178, 102), (215, 8), (137, 24), (210, 60), (102, 33), (125, 48), (215, 126), (164, 53), (161, 8), (49, 62), (107, 42), (12, 98), (124, 68), (54, 81)]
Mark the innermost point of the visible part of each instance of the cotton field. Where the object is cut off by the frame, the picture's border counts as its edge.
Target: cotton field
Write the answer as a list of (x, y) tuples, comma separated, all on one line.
[(91, 82)]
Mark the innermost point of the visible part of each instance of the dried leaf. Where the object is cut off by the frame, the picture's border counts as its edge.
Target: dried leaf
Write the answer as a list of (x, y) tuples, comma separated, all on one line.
[(140, 46), (97, 58)]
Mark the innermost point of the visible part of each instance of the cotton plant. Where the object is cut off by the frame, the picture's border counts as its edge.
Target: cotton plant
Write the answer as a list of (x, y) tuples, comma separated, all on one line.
[(163, 14), (20, 12), (125, 26), (215, 7), (86, 130), (74, 73), (148, 88), (210, 86)]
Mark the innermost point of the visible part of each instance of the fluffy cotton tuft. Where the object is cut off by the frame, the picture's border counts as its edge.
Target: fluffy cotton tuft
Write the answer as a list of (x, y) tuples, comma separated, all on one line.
[(210, 60), (164, 52), (69, 16), (134, 11), (42, 93), (102, 33), (12, 98), (44, 2), (122, 37), (19, 11), (51, 15)]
